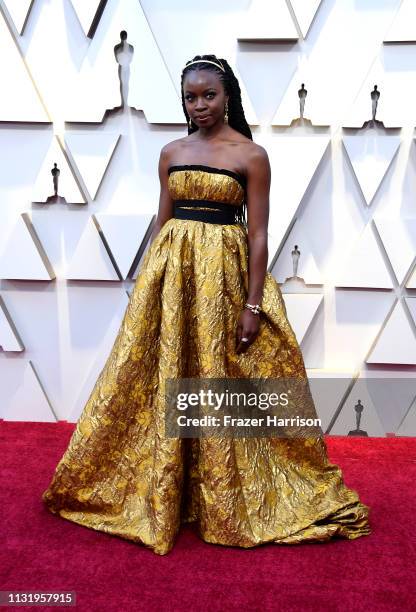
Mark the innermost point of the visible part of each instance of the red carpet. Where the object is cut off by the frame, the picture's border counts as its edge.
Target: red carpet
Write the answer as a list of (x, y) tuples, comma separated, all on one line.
[(43, 552)]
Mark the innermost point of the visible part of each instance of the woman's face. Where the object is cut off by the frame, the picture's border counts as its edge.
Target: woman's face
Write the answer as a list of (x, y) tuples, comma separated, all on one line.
[(204, 97)]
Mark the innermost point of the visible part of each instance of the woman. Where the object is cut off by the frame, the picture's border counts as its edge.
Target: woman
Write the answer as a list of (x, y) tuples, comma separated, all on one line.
[(203, 306)]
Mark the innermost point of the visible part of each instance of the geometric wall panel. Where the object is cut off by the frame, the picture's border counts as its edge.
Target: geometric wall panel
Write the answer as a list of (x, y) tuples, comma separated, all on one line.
[(87, 12), (390, 71), (364, 266), (59, 230), (333, 53), (392, 394), (411, 283), (19, 12), (19, 100), (23, 256), (307, 268), (403, 28), (369, 422), (305, 11), (301, 309), (103, 347), (124, 235), (90, 260), (9, 337), (355, 320), (408, 425), (360, 109), (328, 388), (53, 54), (397, 341), (267, 20), (92, 152), (150, 88), (21, 393), (370, 155), (63, 236), (399, 239), (294, 161), (411, 303), (67, 184), (64, 332)]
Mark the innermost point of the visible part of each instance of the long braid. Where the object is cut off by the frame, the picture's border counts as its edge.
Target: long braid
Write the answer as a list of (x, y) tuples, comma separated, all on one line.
[(236, 117)]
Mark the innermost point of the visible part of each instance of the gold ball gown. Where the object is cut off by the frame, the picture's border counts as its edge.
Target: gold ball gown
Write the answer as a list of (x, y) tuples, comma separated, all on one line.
[(122, 476)]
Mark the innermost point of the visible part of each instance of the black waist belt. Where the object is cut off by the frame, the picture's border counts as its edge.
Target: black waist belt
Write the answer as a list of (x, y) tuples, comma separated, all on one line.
[(207, 211)]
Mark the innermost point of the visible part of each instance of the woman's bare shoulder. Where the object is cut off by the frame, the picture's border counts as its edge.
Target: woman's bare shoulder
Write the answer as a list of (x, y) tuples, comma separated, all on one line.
[(257, 152), (170, 149), (255, 158)]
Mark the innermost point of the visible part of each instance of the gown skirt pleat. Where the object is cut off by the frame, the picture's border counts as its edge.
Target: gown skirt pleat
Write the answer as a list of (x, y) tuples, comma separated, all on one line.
[(121, 475)]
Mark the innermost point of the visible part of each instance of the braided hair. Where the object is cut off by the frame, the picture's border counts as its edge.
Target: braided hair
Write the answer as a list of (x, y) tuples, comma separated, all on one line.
[(236, 117)]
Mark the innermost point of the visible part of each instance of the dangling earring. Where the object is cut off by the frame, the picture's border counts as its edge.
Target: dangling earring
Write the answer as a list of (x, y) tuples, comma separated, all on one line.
[(226, 113), (190, 123)]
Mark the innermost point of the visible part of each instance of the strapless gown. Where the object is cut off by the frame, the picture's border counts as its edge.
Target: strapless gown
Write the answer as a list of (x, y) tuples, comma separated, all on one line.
[(121, 475)]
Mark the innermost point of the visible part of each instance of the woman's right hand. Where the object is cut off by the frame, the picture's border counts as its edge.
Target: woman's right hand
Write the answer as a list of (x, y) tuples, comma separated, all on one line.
[(247, 327)]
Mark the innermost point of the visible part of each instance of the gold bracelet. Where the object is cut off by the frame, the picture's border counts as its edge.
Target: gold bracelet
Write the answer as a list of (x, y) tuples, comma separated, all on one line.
[(255, 308)]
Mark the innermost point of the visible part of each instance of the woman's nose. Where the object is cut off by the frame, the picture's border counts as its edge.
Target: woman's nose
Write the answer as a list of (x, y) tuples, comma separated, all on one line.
[(200, 104)]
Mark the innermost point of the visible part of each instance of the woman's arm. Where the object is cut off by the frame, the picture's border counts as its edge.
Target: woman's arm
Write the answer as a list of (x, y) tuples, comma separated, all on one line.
[(258, 190), (165, 201)]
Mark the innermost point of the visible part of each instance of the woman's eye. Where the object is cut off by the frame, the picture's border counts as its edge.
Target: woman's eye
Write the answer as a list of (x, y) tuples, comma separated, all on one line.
[(209, 95)]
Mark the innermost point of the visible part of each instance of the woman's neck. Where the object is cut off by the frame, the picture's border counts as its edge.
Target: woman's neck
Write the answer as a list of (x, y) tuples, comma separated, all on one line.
[(210, 133)]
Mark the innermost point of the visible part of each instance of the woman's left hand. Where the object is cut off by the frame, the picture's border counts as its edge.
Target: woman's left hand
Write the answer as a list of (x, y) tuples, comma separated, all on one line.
[(247, 327)]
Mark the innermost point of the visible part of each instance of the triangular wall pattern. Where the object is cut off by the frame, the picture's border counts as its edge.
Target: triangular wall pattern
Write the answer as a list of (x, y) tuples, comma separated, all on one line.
[(403, 27), (9, 337), (328, 387), (86, 12), (307, 268), (103, 352), (67, 185), (19, 12), (392, 394), (411, 304), (294, 160), (267, 20), (23, 256), (124, 235), (21, 393), (305, 11), (91, 260), (96, 88), (346, 420), (301, 309), (370, 155), (408, 426), (92, 152), (363, 266), (411, 283), (397, 341), (399, 240), (20, 102)]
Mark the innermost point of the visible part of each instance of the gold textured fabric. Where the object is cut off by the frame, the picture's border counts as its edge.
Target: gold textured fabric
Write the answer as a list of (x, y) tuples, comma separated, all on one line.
[(192, 184), (120, 474)]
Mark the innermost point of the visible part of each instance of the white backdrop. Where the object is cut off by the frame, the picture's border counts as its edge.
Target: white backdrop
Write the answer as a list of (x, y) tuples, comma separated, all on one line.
[(344, 195)]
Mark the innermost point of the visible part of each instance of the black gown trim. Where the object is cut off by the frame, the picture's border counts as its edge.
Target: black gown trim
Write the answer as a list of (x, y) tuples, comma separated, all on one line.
[(236, 175), (219, 212)]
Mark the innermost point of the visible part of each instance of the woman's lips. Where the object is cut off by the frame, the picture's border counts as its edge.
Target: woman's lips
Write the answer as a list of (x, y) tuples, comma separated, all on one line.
[(203, 118)]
